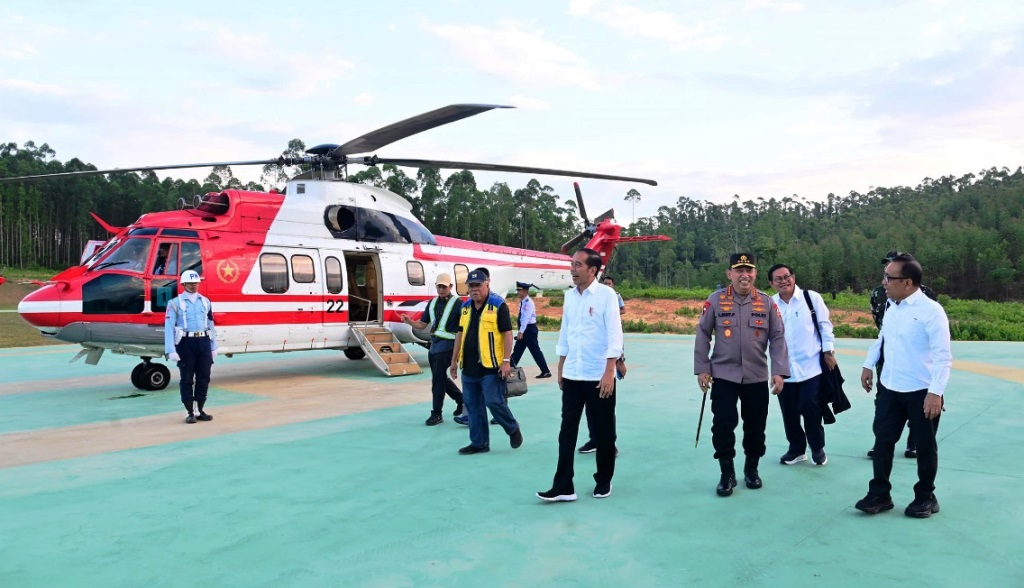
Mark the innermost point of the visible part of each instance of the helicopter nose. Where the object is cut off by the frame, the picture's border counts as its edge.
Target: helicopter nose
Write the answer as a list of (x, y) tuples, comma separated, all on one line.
[(43, 308)]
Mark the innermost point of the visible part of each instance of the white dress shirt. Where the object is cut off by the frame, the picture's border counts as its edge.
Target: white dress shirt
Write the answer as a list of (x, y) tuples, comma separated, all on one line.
[(917, 354), (527, 314), (802, 341), (591, 332)]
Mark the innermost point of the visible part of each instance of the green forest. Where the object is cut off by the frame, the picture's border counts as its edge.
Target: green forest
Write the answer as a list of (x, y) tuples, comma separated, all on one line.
[(968, 232)]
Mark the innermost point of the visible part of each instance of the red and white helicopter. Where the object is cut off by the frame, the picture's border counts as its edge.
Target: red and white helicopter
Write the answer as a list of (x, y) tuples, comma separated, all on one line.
[(328, 264)]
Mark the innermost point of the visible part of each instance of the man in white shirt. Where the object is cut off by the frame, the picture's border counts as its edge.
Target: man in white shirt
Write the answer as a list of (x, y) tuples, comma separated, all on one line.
[(589, 343), (801, 393), (911, 386)]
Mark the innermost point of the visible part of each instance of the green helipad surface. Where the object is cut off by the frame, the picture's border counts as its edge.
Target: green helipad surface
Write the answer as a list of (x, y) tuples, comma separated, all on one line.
[(375, 498)]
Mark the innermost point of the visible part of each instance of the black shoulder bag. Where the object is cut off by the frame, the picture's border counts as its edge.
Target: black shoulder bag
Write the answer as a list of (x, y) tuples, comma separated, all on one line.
[(831, 391)]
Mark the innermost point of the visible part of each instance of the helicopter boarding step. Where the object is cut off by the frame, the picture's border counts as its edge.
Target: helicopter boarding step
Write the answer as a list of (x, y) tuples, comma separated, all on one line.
[(384, 349)]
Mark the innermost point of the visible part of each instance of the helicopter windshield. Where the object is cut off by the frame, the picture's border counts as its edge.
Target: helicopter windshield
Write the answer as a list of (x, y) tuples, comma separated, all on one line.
[(131, 255)]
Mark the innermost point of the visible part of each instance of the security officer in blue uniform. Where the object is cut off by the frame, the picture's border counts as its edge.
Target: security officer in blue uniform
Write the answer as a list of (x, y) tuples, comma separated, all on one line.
[(745, 323), (526, 338), (442, 317), (190, 339)]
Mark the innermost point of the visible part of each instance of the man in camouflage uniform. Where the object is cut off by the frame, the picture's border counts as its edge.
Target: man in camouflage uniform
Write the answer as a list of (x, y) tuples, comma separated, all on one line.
[(744, 323), (880, 302)]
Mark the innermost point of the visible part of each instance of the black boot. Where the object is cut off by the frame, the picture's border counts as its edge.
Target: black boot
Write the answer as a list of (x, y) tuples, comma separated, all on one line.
[(728, 481), (750, 473)]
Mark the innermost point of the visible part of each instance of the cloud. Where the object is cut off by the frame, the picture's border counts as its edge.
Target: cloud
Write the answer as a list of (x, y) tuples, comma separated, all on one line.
[(658, 25), (20, 51), (581, 7), (364, 99), (522, 56), (776, 5), (263, 69)]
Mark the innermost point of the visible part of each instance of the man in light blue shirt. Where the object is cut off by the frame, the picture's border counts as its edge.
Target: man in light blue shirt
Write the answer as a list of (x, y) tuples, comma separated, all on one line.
[(801, 392), (190, 339), (526, 338), (589, 343), (911, 386)]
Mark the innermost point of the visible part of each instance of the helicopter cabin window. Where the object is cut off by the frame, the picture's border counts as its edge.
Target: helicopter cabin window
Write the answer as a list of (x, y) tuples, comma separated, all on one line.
[(333, 268), (132, 256), (302, 269), (191, 258), (166, 262), (414, 270), (112, 294), (461, 273), (274, 273)]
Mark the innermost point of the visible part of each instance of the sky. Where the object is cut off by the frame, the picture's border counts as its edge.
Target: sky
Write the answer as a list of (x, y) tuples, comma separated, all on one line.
[(760, 98)]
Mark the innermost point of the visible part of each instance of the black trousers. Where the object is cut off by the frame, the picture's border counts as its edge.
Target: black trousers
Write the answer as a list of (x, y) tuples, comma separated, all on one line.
[(802, 400), (577, 396), (753, 399), (878, 378), (893, 410), (529, 341), (440, 383), (196, 360)]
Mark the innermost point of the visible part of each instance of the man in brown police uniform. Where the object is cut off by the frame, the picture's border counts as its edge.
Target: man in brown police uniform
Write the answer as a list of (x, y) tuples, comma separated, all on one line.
[(745, 323)]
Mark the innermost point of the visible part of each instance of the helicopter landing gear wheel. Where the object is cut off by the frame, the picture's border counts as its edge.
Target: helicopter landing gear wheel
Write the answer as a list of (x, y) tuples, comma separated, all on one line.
[(155, 377), (137, 376), (354, 353)]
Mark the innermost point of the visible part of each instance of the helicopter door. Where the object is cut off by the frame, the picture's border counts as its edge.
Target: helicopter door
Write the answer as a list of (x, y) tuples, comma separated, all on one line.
[(364, 287), (335, 309)]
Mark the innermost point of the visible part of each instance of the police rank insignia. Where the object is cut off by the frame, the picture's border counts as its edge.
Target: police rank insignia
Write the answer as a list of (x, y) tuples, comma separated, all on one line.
[(707, 305), (728, 333)]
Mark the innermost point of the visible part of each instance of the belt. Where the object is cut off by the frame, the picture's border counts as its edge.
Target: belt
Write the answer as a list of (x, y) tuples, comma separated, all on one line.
[(198, 334)]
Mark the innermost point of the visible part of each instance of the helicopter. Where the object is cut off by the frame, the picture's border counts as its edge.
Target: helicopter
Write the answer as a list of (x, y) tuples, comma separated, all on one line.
[(325, 264)]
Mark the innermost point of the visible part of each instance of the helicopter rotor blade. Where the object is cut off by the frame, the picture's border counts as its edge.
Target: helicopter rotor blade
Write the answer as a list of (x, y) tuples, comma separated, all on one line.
[(579, 200), (423, 122), (574, 242), (374, 160), (100, 172), (610, 213)]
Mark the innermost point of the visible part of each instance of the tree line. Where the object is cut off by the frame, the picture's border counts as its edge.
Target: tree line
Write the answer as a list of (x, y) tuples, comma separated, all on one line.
[(968, 232)]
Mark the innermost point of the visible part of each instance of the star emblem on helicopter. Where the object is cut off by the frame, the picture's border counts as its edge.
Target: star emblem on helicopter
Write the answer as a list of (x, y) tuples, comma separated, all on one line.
[(227, 271)]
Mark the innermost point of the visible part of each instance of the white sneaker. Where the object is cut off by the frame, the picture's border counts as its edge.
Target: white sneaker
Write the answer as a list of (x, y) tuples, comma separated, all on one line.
[(552, 496), (793, 458)]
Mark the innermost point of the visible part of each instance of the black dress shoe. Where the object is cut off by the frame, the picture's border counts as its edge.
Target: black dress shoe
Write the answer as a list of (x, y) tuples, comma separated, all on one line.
[(435, 419), (726, 484), (190, 419), (471, 449), (910, 453), (922, 508), (494, 421), (204, 417), (874, 504), (516, 439), (544, 375), (752, 479)]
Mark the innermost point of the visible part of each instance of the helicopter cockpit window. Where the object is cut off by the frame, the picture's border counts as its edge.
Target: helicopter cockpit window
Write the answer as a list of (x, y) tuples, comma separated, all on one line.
[(302, 269), (274, 273), (113, 294), (130, 255), (141, 231), (166, 262), (191, 258)]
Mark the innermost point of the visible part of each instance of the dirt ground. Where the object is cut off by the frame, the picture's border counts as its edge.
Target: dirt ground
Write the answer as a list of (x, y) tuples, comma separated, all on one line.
[(659, 310)]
